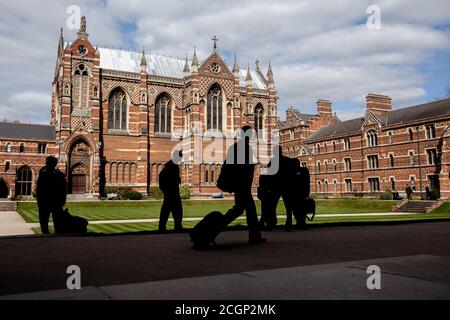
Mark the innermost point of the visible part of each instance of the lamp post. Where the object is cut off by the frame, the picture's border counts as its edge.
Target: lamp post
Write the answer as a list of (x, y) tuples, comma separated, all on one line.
[(420, 165)]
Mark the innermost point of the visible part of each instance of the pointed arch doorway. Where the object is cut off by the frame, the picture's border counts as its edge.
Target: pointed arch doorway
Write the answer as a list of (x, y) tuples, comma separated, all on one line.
[(80, 165)]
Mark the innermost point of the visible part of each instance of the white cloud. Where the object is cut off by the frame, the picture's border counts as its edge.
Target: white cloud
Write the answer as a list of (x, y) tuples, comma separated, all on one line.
[(318, 49)]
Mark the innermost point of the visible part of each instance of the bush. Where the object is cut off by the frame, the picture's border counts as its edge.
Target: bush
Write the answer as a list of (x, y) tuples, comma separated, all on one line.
[(111, 190), (131, 195), (185, 192), (386, 195), (155, 193)]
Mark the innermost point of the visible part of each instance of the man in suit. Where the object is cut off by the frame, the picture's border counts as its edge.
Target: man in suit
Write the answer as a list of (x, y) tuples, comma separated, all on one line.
[(241, 166), (51, 195), (169, 183)]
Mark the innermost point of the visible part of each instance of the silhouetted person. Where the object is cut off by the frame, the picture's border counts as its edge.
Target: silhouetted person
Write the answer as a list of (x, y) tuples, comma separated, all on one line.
[(409, 192), (289, 188), (241, 165), (269, 191), (51, 195), (427, 193), (169, 183)]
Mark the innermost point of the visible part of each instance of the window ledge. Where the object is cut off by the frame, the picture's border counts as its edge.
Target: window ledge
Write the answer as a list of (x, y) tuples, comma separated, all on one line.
[(118, 132)]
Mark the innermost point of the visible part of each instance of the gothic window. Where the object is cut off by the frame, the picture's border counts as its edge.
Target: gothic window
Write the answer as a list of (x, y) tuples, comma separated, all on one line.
[(117, 118), (334, 146), (7, 166), (372, 139), (41, 148), (430, 131), (80, 86), (23, 181), (411, 158), (346, 144), (133, 172), (391, 159), (411, 135), (318, 167), (163, 114), (390, 137), (214, 108), (258, 118), (22, 148), (326, 166)]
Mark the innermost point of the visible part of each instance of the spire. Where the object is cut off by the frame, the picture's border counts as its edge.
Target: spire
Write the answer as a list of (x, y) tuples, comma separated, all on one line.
[(186, 69), (143, 62), (82, 32), (61, 41), (257, 64), (270, 74), (235, 65), (97, 51), (194, 63), (248, 77)]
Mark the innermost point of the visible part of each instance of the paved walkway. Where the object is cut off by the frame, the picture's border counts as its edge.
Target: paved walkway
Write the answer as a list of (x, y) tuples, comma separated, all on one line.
[(11, 223), (321, 263)]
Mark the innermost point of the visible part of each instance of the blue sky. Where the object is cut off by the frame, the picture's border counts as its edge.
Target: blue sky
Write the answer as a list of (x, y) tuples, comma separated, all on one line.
[(318, 49)]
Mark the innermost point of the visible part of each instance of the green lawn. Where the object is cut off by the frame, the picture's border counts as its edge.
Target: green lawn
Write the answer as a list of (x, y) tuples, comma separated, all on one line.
[(152, 226), (120, 210), (445, 208)]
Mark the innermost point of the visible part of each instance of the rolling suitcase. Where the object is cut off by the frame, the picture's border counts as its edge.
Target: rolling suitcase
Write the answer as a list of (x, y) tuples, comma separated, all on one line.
[(205, 232)]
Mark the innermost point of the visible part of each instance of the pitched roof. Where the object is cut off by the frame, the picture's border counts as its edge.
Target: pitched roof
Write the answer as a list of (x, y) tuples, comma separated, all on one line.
[(160, 65), (295, 118), (27, 131), (396, 117)]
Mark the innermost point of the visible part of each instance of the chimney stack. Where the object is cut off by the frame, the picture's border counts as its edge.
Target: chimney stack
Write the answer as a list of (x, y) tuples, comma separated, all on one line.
[(378, 104), (324, 108)]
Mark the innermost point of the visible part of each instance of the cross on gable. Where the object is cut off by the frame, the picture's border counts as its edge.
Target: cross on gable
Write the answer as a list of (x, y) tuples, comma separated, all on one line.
[(214, 39)]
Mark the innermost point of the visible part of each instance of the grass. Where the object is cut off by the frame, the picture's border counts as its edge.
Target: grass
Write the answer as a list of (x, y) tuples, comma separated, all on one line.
[(445, 208), (112, 228), (124, 210)]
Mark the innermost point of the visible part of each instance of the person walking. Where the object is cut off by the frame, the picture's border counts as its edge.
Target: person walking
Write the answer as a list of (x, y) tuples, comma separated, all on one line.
[(169, 183), (240, 164)]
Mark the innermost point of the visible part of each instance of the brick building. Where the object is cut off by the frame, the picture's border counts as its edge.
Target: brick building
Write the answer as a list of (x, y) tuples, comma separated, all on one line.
[(384, 150), (116, 116)]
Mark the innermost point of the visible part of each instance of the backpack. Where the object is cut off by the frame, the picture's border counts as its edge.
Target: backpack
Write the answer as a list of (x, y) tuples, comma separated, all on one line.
[(225, 180)]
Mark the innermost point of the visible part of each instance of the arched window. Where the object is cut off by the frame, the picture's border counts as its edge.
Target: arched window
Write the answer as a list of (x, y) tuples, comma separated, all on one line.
[(7, 166), (126, 172), (304, 153), (334, 146), (318, 167), (258, 118), (326, 166), (391, 159), (133, 172), (335, 185), (318, 148), (214, 108), (117, 118), (334, 166), (347, 144), (411, 135), (390, 137), (23, 181), (120, 172), (113, 172), (319, 188), (163, 114), (325, 147), (80, 86), (8, 147), (325, 186), (22, 148), (372, 139)]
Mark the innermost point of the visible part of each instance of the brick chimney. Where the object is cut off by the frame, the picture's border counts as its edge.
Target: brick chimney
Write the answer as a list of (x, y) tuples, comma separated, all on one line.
[(324, 108), (378, 104)]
